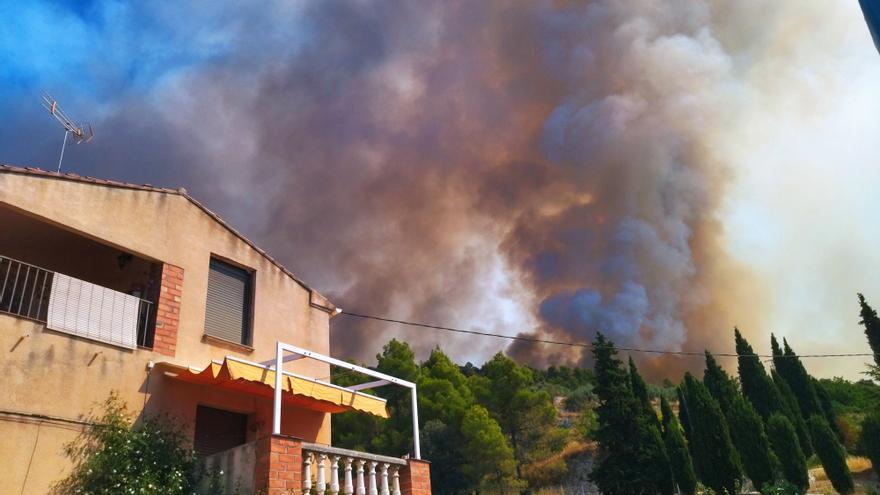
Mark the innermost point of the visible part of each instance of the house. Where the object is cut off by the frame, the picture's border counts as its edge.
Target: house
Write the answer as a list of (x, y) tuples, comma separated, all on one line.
[(109, 286)]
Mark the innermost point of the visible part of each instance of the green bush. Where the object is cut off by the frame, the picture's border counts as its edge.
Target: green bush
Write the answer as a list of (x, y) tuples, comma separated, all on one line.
[(832, 455), (147, 458), (779, 487), (580, 398)]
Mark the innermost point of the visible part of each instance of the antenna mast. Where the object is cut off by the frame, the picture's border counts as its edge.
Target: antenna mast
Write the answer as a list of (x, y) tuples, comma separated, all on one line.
[(81, 132)]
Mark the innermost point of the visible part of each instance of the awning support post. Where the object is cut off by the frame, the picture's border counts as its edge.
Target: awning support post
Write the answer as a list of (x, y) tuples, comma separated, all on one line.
[(415, 417), (276, 412)]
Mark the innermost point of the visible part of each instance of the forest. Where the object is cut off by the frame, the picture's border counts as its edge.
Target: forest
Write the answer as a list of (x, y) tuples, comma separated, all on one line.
[(504, 427)]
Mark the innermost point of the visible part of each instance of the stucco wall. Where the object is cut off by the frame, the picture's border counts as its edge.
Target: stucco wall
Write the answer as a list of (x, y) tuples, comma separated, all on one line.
[(59, 375)]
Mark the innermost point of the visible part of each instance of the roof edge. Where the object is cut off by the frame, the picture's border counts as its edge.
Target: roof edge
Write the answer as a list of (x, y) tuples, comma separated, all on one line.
[(320, 301)]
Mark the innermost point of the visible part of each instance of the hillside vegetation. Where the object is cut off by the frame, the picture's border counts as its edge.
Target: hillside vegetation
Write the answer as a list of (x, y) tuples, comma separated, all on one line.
[(504, 427)]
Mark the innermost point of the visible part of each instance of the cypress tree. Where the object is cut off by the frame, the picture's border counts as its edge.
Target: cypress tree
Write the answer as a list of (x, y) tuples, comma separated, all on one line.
[(832, 455), (715, 459), (746, 427), (682, 415), (789, 407), (769, 396), (679, 457), (791, 369), (827, 408), (719, 383), (756, 385), (667, 416), (632, 456), (872, 330), (870, 440), (640, 390), (785, 443)]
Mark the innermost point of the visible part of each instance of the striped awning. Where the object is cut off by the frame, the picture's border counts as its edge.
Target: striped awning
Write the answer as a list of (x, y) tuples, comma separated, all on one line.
[(305, 392)]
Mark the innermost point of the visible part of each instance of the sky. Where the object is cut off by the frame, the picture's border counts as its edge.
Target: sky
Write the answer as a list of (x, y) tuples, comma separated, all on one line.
[(656, 171)]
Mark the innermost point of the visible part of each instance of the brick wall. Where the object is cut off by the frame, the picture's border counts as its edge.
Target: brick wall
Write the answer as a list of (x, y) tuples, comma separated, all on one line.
[(168, 310), (278, 469), (415, 478)]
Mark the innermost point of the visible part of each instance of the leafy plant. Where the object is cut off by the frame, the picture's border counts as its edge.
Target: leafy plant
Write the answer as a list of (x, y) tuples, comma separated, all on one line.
[(146, 458)]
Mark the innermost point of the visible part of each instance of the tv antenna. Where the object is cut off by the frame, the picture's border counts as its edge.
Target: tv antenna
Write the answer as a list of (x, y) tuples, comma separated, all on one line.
[(81, 132)]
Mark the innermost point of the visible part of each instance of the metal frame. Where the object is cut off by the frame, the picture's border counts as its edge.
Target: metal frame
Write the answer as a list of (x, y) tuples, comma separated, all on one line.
[(294, 353)]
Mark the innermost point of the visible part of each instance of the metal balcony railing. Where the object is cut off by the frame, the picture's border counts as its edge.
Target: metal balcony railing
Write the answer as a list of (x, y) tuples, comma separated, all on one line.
[(74, 306)]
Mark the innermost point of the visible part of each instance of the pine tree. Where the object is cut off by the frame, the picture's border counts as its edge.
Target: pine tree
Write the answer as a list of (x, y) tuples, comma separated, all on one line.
[(715, 459), (679, 457), (746, 427), (785, 444), (872, 330), (789, 407), (832, 455), (632, 457), (791, 369)]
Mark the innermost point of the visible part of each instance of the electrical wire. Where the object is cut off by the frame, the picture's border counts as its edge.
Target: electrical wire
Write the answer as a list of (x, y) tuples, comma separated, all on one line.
[(538, 340)]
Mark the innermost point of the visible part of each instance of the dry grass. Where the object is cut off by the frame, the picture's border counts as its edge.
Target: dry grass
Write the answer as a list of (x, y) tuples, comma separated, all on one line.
[(860, 467), (546, 470)]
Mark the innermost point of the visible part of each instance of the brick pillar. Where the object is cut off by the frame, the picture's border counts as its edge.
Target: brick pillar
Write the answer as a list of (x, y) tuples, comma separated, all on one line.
[(278, 469), (168, 310), (415, 478)]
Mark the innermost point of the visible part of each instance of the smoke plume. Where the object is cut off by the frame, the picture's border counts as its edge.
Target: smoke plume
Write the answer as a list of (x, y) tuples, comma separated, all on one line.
[(550, 168)]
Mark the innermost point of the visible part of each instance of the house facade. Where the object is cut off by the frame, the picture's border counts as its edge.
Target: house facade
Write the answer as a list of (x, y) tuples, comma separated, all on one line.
[(108, 286)]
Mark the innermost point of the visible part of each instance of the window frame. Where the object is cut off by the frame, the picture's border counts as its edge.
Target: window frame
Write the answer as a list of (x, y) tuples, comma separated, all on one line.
[(247, 336)]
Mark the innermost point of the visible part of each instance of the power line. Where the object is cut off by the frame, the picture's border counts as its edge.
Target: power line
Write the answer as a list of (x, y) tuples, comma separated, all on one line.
[(537, 340)]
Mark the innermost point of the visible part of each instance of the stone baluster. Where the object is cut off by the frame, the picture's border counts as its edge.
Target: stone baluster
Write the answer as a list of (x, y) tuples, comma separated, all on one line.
[(373, 489), (348, 489), (321, 485), (361, 489), (307, 471), (395, 480), (334, 475), (384, 480)]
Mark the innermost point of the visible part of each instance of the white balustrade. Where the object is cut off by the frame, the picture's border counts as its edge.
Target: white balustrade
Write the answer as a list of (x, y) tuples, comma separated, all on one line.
[(363, 474), (373, 488), (348, 489), (334, 475), (321, 485), (361, 489), (307, 472), (384, 490), (395, 477)]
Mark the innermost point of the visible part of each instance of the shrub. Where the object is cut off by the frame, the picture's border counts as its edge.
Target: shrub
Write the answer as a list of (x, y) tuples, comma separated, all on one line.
[(832, 455), (779, 487), (580, 398), (148, 458)]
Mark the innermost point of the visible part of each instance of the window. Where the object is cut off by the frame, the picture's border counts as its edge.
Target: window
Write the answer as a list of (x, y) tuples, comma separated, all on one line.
[(218, 430), (228, 310)]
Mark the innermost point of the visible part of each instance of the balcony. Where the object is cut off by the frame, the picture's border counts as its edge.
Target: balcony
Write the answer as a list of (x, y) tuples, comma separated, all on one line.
[(75, 283), (73, 306), (282, 464)]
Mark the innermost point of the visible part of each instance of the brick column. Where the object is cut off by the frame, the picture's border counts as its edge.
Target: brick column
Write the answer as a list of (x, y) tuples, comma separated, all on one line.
[(278, 469), (168, 310), (415, 478)]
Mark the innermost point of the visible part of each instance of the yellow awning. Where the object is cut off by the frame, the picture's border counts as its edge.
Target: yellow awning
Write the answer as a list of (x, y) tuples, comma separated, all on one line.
[(301, 391)]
